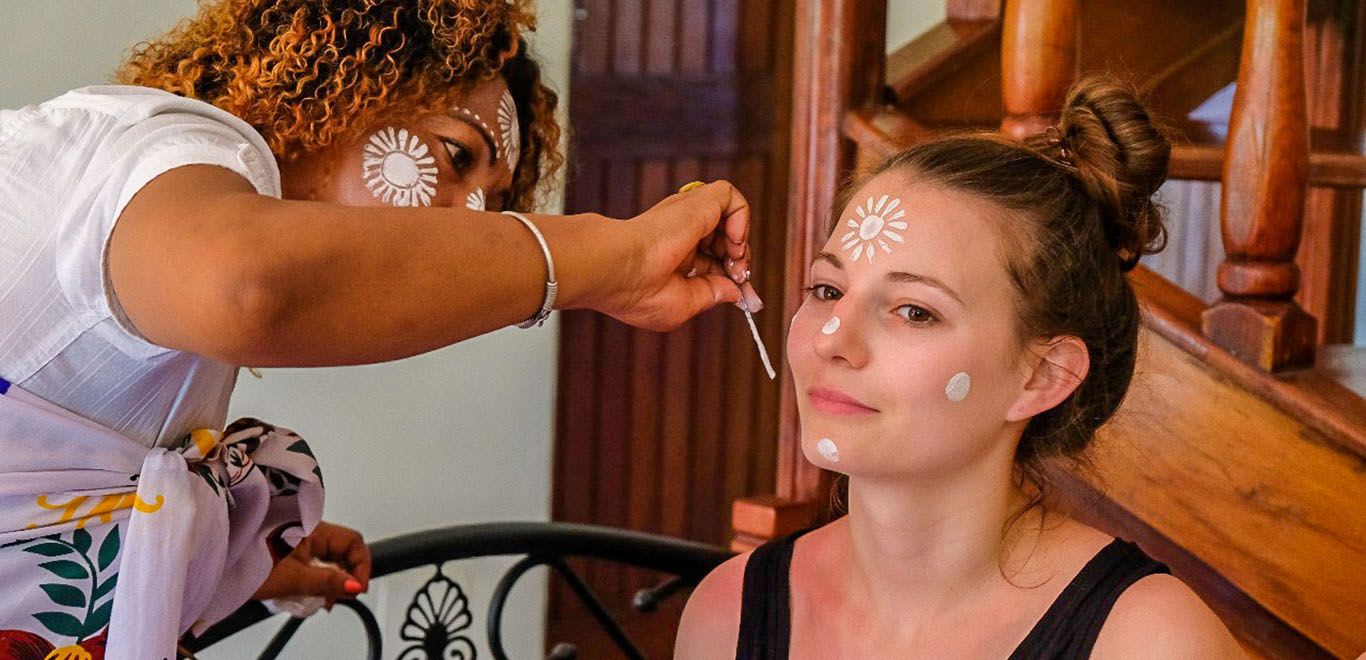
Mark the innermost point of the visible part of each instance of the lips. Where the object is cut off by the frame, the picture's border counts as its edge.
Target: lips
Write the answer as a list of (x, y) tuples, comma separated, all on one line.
[(836, 402)]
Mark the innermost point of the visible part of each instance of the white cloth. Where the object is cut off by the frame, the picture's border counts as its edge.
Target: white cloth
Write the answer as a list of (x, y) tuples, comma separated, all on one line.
[(67, 169), (185, 535)]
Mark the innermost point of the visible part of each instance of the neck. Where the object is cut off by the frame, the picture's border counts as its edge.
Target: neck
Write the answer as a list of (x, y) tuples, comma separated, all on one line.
[(930, 543)]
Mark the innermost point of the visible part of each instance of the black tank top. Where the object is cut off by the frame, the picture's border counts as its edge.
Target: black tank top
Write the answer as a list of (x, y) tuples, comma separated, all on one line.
[(1067, 630)]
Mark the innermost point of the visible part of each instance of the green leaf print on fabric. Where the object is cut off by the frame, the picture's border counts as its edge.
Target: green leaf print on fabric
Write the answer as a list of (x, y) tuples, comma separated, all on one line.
[(89, 585), (109, 548), (81, 539), (66, 568), (105, 587), (98, 619), (63, 594), (61, 623), (49, 549)]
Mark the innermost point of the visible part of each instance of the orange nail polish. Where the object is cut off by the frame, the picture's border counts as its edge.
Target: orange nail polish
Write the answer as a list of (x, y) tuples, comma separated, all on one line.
[(352, 586)]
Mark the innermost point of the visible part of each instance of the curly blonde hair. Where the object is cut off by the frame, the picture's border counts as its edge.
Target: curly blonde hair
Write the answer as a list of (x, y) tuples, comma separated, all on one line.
[(306, 73)]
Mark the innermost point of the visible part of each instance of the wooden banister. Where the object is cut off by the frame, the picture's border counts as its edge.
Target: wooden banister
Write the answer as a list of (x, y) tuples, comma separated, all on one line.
[(1038, 62), (1199, 162), (1265, 177)]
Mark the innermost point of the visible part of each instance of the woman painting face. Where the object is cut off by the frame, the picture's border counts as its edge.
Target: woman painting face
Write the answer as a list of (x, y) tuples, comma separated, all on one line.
[(463, 157), (905, 351)]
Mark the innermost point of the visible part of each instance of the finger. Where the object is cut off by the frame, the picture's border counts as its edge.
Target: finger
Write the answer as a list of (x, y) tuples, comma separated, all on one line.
[(358, 558), (702, 264), (751, 297), (322, 581), (709, 291), (725, 211), (734, 211)]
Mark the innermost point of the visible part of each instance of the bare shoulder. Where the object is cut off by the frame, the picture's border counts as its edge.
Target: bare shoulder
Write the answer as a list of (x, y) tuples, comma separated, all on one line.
[(711, 619), (1160, 617)]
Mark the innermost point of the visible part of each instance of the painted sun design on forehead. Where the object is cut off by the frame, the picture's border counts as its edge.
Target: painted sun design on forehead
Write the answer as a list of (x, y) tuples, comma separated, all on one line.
[(509, 130), (399, 169), (873, 228)]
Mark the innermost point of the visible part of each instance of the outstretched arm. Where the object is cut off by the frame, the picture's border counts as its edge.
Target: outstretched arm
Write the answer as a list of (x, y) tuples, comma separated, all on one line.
[(201, 263)]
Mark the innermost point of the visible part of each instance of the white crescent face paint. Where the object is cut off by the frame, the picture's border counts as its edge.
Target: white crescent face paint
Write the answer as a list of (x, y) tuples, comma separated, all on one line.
[(399, 168), (827, 449), (831, 326), (510, 131), (958, 387), (476, 200)]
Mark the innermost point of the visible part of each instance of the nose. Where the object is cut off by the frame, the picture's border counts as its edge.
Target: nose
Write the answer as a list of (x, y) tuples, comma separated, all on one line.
[(839, 338)]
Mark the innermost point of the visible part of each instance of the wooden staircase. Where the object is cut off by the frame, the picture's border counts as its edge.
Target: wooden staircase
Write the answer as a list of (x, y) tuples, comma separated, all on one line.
[(1239, 457)]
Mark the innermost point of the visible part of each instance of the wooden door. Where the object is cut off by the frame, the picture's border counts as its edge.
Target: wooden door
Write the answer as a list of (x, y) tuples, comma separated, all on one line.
[(661, 432)]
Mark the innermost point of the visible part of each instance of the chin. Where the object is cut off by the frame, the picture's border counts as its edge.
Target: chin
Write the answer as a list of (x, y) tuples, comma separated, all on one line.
[(823, 455)]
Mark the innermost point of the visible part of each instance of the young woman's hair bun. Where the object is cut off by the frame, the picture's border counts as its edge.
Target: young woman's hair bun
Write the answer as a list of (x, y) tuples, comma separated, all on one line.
[(1120, 158)]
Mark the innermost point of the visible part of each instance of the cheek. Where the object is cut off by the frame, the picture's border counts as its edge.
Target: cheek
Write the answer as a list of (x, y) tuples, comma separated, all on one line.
[(390, 167), (801, 332)]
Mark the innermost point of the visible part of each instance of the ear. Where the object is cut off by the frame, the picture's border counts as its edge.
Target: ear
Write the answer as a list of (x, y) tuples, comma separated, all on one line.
[(1057, 368)]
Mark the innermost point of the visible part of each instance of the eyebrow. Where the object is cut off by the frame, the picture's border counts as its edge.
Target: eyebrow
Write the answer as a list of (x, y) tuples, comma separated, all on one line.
[(484, 133), (897, 276)]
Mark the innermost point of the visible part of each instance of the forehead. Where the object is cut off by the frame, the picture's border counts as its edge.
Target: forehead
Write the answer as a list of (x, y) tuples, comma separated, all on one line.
[(483, 98), (919, 228)]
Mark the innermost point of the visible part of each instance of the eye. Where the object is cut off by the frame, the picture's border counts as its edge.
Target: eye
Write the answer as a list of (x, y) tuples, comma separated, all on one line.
[(916, 315), (461, 156), (823, 292)]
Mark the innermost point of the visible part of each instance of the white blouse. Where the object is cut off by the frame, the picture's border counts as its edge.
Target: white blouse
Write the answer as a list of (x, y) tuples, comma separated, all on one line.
[(68, 167)]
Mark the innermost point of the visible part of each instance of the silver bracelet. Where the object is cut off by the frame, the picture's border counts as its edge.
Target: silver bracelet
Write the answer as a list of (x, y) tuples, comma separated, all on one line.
[(551, 286)]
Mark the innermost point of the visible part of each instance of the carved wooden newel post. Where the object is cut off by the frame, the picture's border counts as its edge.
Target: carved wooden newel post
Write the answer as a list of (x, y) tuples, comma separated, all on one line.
[(1266, 172), (1038, 63)]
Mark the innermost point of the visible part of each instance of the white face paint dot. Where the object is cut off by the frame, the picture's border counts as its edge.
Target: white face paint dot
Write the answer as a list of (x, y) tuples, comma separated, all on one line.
[(476, 200), (831, 326), (827, 449), (399, 169), (958, 387), (873, 228)]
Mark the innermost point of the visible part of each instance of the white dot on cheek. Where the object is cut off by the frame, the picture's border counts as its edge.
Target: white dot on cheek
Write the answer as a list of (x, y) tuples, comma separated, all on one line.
[(958, 387), (831, 326), (827, 449)]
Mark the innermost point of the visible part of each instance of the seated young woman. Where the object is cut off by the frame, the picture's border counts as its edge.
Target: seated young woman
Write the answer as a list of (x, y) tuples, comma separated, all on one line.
[(968, 318)]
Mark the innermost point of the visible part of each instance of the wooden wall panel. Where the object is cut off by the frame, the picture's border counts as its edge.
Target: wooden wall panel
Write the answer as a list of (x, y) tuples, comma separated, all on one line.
[(660, 432)]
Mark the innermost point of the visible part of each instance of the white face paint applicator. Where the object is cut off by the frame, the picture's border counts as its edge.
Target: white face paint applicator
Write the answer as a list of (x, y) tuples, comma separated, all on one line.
[(744, 307), (758, 341)]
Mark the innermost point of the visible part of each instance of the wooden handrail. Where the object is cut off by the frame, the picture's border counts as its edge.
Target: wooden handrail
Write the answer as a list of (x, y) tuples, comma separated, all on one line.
[(1266, 175), (1202, 162)]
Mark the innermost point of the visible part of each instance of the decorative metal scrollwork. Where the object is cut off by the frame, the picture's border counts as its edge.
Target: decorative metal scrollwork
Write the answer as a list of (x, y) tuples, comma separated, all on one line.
[(439, 612)]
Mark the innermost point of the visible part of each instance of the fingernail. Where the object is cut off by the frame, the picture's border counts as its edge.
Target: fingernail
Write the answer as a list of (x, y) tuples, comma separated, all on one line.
[(352, 586), (755, 304)]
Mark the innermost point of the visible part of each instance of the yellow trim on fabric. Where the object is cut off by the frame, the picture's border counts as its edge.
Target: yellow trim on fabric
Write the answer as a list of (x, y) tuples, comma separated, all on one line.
[(103, 509), (204, 440)]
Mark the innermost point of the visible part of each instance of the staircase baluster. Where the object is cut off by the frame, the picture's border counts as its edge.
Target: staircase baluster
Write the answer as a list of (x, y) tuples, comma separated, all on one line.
[(1265, 179), (1038, 62)]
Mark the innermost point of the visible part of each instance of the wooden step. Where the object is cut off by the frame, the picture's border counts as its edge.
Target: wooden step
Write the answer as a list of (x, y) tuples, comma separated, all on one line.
[(1249, 485)]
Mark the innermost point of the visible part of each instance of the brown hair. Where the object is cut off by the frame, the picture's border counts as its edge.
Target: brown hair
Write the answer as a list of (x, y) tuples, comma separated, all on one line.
[(306, 74), (1079, 202)]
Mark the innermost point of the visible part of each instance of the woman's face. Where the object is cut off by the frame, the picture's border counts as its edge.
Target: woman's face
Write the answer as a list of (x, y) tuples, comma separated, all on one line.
[(905, 351), (463, 157)]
